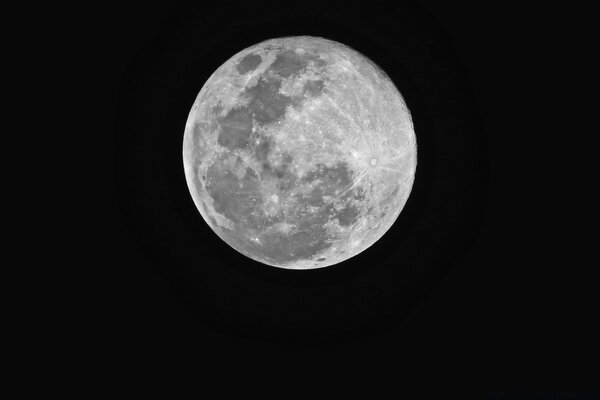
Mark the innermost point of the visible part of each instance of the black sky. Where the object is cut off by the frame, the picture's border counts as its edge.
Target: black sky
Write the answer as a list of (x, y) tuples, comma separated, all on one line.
[(518, 310)]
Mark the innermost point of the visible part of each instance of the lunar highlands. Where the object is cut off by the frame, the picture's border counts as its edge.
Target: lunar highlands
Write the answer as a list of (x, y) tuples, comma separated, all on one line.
[(299, 152)]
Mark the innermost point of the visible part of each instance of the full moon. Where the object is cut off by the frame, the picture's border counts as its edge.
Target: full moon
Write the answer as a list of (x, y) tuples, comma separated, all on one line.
[(299, 152)]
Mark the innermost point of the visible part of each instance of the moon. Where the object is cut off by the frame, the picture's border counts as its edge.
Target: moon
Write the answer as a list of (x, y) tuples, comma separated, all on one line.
[(299, 152)]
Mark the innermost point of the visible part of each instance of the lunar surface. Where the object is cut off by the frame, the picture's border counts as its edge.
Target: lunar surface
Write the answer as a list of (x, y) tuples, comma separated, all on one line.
[(299, 152)]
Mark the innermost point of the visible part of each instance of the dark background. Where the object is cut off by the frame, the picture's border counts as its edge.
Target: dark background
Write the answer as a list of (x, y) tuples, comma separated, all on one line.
[(518, 310)]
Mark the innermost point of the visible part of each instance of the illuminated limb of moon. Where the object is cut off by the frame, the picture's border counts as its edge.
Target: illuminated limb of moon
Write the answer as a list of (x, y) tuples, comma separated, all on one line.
[(299, 152)]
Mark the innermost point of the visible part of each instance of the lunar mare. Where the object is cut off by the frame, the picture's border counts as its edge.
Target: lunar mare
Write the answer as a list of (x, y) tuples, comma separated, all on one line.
[(299, 152)]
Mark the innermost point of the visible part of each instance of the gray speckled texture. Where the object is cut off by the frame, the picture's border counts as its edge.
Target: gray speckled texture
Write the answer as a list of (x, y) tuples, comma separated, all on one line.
[(299, 152)]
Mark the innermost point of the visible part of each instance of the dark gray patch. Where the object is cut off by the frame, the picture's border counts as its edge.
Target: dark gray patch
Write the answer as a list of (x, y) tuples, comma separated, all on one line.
[(308, 238), (298, 245), (240, 200), (236, 128), (278, 247), (200, 131), (335, 178), (389, 196), (269, 172), (298, 102), (307, 219), (358, 193), (237, 199), (287, 182), (249, 63), (196, 142), (314, 88), (335, 182), (262, 148), (314, 198), (348, 215), (266, 104), (196, 176), (285, 179), (197, 132), (287, 159), (217, 109), (308, 243), (290, 63)]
